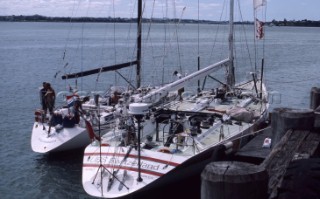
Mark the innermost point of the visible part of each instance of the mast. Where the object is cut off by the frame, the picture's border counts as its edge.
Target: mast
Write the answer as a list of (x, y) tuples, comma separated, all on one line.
[(138, 77), (230, 75)]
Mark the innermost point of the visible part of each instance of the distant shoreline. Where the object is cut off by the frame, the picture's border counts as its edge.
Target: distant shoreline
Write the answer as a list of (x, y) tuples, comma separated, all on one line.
[(40, 18)]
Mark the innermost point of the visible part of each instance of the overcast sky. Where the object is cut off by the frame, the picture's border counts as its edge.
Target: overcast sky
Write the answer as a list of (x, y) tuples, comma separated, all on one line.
[(187, 9)]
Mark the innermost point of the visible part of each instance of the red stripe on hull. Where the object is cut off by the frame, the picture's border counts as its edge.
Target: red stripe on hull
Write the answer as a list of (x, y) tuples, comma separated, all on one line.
[(125, 168), (135, 156)]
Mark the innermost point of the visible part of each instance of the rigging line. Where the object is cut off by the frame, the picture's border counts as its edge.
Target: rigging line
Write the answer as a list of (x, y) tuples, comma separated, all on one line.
[(151, 17), (178, 44), (128, 37), (164, 8), (79, 46), (165, 41), (198, 43), (175, 24), (166, 44), (131, 55), (253, 133), (104, 42), (114, 33), (114, 39), (104, 45), (174, 35), (198, 29), (245, 35), (161, 56), (164, 49), (216, 34), (148, 34), (242, 132), (71, 27), (125, 79), (82, 45), (68, 39)]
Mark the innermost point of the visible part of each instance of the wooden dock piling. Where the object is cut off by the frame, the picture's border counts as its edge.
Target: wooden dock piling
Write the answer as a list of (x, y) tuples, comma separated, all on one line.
[(228, 180), (294, 145), (315, 104), (284, 119), (314, 98), (295, 141)]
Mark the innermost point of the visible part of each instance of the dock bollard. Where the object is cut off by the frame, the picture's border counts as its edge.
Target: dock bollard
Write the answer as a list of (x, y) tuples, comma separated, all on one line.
[(314, 98), (228, 180), (315, 105), (317, 120), (284, 119)]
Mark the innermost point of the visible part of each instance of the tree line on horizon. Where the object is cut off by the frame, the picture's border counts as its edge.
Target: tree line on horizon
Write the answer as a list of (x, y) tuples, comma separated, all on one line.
[(40, 18)]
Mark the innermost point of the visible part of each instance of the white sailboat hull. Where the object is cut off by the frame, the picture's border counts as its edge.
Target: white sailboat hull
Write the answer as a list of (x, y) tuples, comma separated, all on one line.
[(154, 165), (61, 140), (157, 168)]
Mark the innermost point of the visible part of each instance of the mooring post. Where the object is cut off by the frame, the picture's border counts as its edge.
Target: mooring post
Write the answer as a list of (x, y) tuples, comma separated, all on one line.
[(317, 120), (315, 105), (314, 98), (284, 119), (230, 179)]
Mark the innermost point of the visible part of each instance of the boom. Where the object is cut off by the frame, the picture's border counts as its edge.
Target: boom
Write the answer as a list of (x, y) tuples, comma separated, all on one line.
[(156, 95)]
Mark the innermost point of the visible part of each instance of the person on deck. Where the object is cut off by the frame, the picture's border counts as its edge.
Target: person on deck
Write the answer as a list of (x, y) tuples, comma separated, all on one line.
[(77, 109), (43, 91), (50, 98)]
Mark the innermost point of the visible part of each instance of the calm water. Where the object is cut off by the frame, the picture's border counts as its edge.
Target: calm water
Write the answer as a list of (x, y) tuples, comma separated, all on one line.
[(31, 53)]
